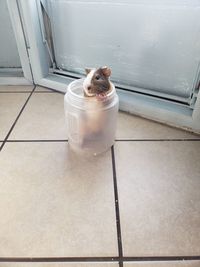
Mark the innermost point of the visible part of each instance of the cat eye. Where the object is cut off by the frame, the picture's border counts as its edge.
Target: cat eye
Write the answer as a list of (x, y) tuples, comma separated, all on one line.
[(97, 77)]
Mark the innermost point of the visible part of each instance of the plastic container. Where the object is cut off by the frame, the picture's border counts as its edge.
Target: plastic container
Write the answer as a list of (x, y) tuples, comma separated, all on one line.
[(91, 123)]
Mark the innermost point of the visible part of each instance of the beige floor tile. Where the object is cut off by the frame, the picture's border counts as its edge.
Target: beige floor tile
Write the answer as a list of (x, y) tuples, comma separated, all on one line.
[(133, 127), (164, 264), (10, 106), (13, 88), (55, 203), (43, 118), (79, 264), (159, 197)]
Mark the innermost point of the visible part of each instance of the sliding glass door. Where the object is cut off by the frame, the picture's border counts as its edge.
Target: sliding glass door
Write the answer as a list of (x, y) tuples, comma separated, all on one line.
[(152, 47)]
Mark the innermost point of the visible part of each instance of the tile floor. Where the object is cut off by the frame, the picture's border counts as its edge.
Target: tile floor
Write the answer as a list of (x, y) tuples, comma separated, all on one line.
[(137, 205)]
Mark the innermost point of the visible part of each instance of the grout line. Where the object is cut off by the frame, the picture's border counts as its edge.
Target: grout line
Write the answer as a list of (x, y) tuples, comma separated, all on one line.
[(15, 92), (12, 127), (117, 140), (50, 92), (60, 259), (162, 258), (36, 92), (101, 259), (118, 225), (45, 92), (158, 140), (50, 89), (28, 91), (34, 141)]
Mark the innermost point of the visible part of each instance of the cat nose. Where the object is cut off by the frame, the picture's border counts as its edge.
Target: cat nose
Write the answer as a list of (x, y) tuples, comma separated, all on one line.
[(89, 87)]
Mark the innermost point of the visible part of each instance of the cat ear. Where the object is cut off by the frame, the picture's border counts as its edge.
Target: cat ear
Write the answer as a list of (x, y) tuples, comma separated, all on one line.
[(106, 71), (87, 70)]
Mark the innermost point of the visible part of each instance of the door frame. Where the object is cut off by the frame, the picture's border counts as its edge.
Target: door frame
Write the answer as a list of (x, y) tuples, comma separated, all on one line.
[(161, 110), (22, 46)]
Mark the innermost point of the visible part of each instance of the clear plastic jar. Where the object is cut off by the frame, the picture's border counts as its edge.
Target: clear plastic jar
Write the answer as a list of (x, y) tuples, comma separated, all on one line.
[(91, 123)]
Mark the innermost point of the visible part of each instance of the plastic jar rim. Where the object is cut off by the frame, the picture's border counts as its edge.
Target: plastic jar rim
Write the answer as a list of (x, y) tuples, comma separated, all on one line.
[(69, 90)]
